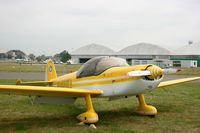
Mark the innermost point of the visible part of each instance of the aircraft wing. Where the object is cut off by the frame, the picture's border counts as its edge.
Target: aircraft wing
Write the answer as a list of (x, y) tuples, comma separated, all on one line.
[(46, 91), (177, 81)]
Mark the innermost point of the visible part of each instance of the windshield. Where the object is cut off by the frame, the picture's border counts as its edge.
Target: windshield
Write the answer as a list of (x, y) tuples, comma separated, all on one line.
[(98, 65)]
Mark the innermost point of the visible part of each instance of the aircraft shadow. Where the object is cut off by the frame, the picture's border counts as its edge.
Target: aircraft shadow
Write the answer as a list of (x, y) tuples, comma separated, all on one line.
[(106, 117)]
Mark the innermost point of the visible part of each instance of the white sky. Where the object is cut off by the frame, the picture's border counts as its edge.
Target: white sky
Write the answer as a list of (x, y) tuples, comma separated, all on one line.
[(50, 26)]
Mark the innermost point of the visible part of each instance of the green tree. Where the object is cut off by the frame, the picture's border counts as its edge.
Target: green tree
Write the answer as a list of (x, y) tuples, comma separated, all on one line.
[(41, 58), (64, 56), (31, 56)]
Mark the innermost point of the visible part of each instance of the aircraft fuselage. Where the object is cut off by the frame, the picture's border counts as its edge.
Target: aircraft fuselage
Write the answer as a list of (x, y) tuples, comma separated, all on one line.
[(113, 82)]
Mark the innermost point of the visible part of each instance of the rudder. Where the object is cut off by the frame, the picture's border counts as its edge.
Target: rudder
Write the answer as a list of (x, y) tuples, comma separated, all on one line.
[(50, 70)]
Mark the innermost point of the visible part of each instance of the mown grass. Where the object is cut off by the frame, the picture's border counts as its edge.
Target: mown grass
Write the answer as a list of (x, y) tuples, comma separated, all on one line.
[(178, 111), (15, 67), (64, 68), (189, 71)]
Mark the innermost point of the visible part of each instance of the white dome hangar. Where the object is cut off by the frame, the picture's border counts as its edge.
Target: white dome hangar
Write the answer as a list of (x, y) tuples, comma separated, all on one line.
[(141, 53), (144, 49), (93, 49), (191, 49), (145, 53), (83, 54)]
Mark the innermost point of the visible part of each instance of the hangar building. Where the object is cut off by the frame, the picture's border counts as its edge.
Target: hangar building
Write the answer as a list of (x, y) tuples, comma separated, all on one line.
[(145, 53), (187, 56), (3, 54), (83, 54), (140, 53)]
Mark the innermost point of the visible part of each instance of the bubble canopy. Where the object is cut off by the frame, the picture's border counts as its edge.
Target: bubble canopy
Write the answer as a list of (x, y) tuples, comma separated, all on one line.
[(98, 65)]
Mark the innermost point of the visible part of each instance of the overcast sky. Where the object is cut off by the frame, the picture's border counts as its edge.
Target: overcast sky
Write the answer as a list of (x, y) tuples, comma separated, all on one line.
[(50, 26)]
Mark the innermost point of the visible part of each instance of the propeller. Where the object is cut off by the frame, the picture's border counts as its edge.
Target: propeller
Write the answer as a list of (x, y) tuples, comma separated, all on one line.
[(139, 73), (152, 72), (171, 70)]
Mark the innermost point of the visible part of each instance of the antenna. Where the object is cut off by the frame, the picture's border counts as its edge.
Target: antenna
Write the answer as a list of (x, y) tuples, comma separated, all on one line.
[(190, 42)]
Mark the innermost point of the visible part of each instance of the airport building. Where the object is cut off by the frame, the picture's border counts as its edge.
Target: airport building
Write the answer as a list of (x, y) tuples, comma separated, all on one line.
[(141, 53), (3, 54), (83, 54), (187, 56), (145, 53)]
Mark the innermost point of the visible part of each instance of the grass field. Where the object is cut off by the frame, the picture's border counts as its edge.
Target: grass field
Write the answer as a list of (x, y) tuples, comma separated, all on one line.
[(178, 111), (189, 71), (14, 67), (63, 68)]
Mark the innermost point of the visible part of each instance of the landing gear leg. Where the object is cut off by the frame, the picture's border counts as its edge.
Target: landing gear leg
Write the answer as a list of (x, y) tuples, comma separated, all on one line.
[(143, 108), (90, 116)]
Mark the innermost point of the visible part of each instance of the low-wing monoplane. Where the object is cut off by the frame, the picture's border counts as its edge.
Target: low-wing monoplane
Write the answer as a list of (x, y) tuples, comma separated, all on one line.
[(108, 77)]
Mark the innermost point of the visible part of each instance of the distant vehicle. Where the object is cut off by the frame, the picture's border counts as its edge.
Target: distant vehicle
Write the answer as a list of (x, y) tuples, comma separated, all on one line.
[(58, 62), (69, 62), (44, 62), (55, 62)]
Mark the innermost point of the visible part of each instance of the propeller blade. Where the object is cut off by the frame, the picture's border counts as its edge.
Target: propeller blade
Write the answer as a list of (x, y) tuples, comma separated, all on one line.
[(170, 71), (139, 73)]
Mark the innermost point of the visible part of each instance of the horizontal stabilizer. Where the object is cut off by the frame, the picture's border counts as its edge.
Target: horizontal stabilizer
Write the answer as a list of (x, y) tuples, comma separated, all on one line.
[(34, 83)]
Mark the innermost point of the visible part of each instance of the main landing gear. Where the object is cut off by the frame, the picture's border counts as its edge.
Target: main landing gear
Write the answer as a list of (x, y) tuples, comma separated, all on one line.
[(144, 109), (90, 116)]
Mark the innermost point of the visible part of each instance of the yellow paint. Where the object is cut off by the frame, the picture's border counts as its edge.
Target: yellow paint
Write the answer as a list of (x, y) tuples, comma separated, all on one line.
[(143, 108), (177, 81), (49, 91), (106, 82), (155, 71), (110, 73), (90, 116), (50, 70), (114, 72), (69, 79), (34, 83)]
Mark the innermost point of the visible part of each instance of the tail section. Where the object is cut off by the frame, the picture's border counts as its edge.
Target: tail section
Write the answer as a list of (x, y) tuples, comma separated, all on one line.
[(50, 70)]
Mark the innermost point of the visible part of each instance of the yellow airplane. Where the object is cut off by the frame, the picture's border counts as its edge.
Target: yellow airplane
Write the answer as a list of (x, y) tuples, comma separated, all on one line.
[(101, 76)]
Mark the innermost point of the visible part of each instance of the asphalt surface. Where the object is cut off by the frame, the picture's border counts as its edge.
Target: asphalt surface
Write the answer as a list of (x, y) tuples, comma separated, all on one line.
[(41, 76)]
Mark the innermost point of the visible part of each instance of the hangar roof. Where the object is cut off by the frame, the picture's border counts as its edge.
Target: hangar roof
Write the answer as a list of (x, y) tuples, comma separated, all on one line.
[(93, 49), (3, 51), (190, 49), (144, 49)]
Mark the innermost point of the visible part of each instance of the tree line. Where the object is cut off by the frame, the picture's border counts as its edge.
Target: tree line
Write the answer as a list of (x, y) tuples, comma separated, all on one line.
[(63, 56)]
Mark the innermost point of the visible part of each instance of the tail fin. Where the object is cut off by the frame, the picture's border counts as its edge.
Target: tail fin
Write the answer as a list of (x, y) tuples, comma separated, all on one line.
[(50, 70)]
